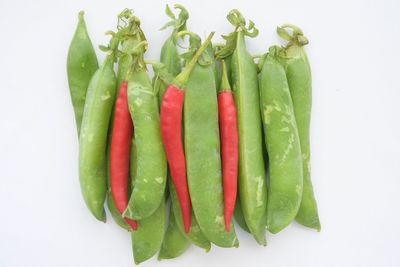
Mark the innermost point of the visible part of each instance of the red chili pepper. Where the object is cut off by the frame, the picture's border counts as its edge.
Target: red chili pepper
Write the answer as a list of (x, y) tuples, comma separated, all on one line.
[(120, 152), (229, 143), (171, 131)]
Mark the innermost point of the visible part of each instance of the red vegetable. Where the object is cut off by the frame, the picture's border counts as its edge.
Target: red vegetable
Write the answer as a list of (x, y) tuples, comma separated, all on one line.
[(171, 131), (120, 152), (229, 144)]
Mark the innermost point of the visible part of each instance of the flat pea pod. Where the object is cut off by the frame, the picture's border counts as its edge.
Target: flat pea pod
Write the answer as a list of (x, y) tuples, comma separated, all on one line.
[(93, 137), (251, 182), (147, 239), (151, 167), (283, 145), (298, 73), (174, 243), (170, 58), (195, 235), (169, 55), (81, 65), (239, 217), (202, 148)]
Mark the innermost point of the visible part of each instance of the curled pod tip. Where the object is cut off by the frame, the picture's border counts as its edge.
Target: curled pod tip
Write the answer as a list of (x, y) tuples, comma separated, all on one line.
[(292, 34)]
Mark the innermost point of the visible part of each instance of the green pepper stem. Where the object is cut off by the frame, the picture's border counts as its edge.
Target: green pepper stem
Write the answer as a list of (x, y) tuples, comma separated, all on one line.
[(225, 86), (182, 78)]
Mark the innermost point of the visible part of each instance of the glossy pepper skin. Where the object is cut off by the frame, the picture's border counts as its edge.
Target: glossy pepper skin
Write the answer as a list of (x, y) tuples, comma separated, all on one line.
[(229, 145), (171, 128), (120, 153)]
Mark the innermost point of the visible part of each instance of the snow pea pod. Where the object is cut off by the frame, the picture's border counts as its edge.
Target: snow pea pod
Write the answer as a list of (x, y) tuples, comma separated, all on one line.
[(151, 165), (251, 183), (147, 239), (81, 65), (298, 73), (283, 145), (93, 137), (195, 235), (202, 148), (239, 217), (174, 243), (169, 53)]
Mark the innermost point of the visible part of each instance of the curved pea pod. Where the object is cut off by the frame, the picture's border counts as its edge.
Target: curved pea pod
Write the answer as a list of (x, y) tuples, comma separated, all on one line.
[(202, 148), (93, 138), (147, 239), (251, 182), (174, 243), (239, 217), (81, 65), (283, 145), (195, 234), (169, 55), (151, 165), (298, 73), (170, 58)]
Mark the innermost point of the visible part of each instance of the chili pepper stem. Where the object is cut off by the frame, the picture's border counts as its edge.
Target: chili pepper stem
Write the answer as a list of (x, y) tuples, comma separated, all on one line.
[(182, 78), (225, 86)]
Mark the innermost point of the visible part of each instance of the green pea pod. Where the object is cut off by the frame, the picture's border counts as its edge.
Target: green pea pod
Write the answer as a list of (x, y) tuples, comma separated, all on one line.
[(202, 149), (251, 183), (169, 53), (174, 243), (93, 137), (147, 239), (151, 167), (171, 59), (81, 65), (283, 145), (195, 235), (239, 217), (298, 73)]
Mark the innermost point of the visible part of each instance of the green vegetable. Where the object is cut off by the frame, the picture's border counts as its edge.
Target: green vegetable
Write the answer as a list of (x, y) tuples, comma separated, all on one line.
[(251, 183), (283, 145), (195, 235), (93, 137), (202, 149), (150, 174), (169, 52), (298, 73), (147, 239), (239, 217), (174, 243), (81, 65)]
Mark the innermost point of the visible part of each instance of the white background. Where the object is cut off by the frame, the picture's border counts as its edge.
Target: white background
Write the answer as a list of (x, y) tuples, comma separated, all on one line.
[(355, 133)]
